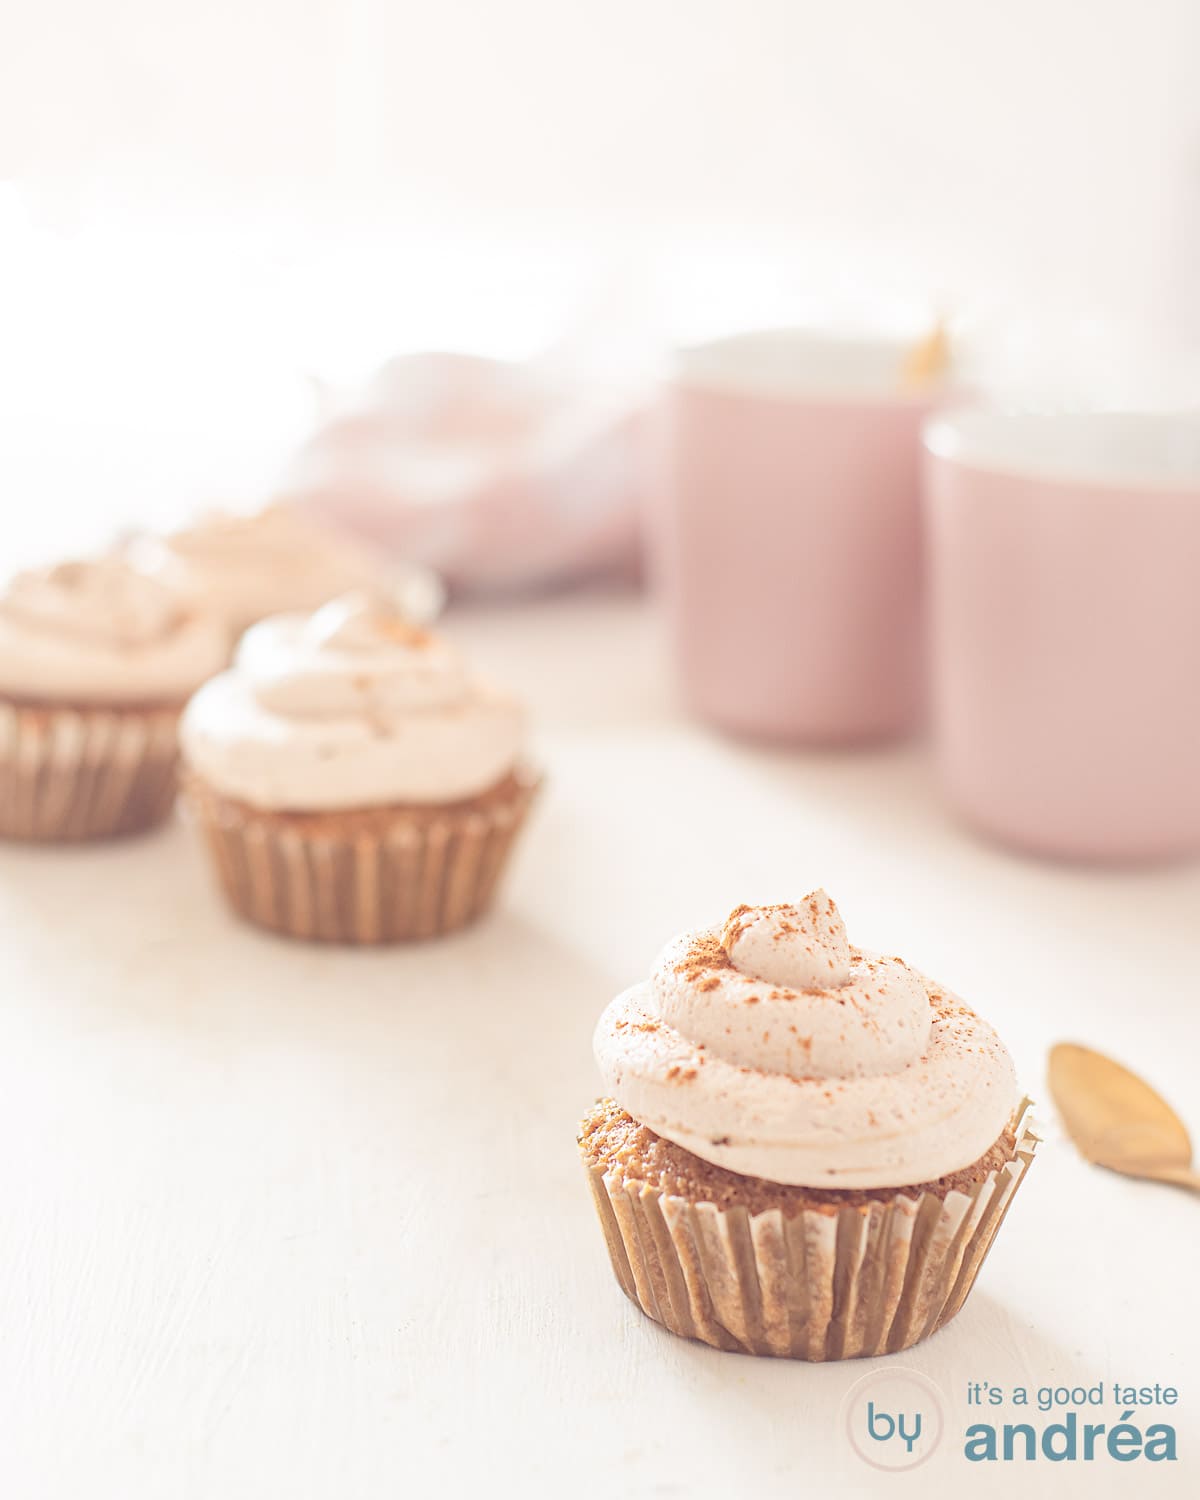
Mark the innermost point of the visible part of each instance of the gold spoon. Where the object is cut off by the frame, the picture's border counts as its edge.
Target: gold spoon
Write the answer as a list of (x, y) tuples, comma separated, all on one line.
[(1117, 1120), (928, 359)]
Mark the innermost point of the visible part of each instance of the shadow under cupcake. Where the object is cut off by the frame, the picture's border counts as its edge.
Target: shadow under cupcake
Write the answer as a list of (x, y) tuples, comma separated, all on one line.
[(808, 1149)]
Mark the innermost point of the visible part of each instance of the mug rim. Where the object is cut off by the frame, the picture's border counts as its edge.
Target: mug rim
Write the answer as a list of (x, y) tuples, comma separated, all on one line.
[(1055, 453), (698, 366)]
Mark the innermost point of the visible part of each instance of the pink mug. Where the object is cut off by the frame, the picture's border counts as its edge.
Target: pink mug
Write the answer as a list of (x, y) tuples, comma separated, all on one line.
[(787, 540), (1065, 601)]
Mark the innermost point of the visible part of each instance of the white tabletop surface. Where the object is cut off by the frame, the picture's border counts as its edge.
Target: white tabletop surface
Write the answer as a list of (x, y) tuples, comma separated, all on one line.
[(288, 1221)]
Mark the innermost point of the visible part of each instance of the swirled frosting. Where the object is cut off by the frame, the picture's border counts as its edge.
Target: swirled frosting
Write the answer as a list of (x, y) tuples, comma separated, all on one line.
[(246, 567), (774, 1048), (100, 631), (350, 707)]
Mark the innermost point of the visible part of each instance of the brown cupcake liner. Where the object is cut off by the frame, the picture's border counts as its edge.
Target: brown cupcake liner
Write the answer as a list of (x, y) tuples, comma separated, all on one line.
[(71, 773), (403, 877), (861, 1280)]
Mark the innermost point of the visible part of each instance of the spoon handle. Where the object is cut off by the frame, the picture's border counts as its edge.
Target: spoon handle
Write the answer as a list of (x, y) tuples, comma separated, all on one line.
[(1186, 1177)]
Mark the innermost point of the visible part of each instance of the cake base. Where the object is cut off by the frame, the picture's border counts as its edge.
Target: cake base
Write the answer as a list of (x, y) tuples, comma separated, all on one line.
[(800, 1273), (75, 772), (371, 875)]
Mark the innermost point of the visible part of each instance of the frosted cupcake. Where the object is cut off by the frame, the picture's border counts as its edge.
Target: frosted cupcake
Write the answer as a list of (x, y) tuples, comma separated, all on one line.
[(355, 782), (246, 567), (807, 1148), (96, 662)]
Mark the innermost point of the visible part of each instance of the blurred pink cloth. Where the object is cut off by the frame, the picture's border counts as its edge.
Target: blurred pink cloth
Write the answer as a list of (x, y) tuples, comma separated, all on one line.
[(498, 475)]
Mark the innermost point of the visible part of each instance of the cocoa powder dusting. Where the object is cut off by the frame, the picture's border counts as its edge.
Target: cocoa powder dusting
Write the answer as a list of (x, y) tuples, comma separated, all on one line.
[(703, 955)]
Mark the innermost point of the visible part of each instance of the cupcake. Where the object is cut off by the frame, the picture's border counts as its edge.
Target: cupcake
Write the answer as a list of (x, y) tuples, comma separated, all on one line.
[(246, 567), (354, 781), (96, 662), (806, 1149)]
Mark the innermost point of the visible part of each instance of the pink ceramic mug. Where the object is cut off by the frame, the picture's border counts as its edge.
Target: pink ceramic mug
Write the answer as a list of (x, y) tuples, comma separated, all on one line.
[(787, 538), (1065, 601)]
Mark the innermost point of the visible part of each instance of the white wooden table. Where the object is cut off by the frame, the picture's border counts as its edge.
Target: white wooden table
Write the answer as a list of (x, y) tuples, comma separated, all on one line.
[(285, 1221)]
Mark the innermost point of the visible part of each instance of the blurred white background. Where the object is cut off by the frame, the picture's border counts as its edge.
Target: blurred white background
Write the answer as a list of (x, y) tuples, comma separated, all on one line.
[(210, 213)]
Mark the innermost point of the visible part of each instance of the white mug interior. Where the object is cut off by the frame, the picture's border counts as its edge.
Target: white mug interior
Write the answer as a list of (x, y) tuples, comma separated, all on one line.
[(1137, 450), (797, 363)]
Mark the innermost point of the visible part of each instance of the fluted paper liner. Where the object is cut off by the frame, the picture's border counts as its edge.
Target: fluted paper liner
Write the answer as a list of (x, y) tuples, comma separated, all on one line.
[(84, 773), (409, 878), (846, 1283)]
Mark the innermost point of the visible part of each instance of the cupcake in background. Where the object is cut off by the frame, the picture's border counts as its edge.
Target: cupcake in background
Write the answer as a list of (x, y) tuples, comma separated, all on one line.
[(806, 1148), (96, 661), (354, 780), (246, 567)]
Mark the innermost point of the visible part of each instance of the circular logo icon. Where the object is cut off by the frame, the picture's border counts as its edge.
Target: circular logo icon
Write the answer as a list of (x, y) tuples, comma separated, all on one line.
[(894, 1418)]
